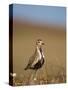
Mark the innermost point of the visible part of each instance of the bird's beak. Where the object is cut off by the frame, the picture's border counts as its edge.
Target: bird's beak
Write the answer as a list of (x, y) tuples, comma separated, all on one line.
[(43, 43)]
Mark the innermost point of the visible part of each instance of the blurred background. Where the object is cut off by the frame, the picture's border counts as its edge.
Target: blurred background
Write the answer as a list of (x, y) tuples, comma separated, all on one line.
[(31, 22)]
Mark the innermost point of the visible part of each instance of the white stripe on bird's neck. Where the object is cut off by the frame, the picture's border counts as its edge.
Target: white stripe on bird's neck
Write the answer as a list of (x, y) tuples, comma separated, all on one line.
[(40, 53)]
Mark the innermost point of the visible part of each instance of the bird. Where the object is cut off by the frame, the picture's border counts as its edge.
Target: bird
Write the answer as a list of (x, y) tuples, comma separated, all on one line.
[(36, 61)]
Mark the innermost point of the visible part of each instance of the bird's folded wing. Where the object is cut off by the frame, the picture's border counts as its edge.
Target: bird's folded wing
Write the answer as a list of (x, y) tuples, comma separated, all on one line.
[(35, 60), (32, 59)]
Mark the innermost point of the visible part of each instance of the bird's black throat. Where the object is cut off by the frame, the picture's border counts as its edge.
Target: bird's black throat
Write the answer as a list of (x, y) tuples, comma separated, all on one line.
[(40, 50)]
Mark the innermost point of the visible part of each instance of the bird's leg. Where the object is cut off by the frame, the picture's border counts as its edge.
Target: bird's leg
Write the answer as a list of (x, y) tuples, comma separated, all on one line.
[(33, 77)]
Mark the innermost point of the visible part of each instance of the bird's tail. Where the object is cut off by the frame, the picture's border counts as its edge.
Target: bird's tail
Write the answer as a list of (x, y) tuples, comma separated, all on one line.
[(27, 67)]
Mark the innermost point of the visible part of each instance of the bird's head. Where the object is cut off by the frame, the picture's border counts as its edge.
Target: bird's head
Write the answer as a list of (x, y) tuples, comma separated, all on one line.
[(39, 42)]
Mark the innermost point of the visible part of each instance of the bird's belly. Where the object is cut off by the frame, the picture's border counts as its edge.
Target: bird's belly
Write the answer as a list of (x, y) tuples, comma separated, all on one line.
[(39, 64)]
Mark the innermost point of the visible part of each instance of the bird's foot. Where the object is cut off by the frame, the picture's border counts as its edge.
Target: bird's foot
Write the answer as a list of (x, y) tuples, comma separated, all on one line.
[(35, 79)]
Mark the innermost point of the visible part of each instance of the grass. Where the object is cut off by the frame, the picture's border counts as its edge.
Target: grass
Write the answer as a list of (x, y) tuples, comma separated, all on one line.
[(40, 80)]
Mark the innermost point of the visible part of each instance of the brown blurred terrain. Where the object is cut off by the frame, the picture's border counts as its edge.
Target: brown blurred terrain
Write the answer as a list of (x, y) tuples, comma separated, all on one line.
[(25, 35)]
